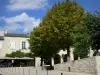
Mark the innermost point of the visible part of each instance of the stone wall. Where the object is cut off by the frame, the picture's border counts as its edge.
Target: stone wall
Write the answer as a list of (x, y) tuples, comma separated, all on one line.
[(98, 65), (86, 65), (61, 67)]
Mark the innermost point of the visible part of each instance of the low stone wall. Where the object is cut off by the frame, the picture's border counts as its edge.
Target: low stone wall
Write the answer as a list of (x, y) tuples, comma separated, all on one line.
[(86, 65), (61, 67)]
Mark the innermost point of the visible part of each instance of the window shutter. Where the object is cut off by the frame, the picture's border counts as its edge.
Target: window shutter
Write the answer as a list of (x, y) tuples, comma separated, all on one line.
[(27, 45), (0, 45), (20, 44)]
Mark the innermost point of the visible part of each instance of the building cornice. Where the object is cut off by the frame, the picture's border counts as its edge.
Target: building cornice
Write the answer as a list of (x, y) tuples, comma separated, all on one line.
[(16, 35)]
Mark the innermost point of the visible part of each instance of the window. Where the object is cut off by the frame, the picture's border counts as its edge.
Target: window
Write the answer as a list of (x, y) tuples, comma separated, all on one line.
[(23, 45)]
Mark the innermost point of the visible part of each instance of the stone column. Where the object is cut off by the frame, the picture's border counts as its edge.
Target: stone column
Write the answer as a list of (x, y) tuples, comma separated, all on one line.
[(97, 58), (12, 63), (61, 59), (43, 68), (79, 58), (37, 61), (43, 62), (91, 52), (71, 54), (52, 61)]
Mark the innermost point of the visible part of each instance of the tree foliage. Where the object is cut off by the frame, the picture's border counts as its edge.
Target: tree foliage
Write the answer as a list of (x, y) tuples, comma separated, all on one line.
[(55, 30), (81, 40), (95, 31), (93, 23)]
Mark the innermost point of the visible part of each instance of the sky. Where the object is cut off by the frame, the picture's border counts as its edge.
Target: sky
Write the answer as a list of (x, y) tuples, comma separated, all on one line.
[(21, 16)]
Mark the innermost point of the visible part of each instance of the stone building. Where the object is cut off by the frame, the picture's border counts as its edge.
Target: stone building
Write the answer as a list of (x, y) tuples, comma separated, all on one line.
[(12, 42)]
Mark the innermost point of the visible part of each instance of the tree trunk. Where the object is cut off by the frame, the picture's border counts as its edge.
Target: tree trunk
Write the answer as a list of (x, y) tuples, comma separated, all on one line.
[(68, 54), (50, 62), (41, 61)]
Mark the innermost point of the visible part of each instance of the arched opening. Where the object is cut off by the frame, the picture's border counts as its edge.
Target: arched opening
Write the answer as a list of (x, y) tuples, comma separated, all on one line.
[(56, 59), (64, 57), (47, 61)]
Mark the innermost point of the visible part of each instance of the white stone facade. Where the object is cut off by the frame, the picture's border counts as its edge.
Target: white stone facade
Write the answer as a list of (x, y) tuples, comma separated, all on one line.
[(11, 44)]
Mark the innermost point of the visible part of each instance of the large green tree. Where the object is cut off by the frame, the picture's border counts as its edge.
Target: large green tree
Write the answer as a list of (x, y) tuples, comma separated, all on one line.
[(81, 39), (93, 23), (55, 30), (62, 18), (87, 34)]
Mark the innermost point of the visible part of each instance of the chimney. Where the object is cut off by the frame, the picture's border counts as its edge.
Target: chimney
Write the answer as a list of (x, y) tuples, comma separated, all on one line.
[(6, 31), (28, 34)]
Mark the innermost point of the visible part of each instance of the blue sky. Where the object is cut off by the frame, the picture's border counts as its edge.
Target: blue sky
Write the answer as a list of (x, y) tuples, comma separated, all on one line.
[(20, 16)]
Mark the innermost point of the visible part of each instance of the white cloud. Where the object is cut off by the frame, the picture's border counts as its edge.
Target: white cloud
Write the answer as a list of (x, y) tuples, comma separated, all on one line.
[(27, 4), (12, 27), (1, 18), (22, 21)]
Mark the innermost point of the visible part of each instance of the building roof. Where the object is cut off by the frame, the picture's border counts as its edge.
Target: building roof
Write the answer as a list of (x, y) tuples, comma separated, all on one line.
[(1, 38), (17, 35), (9, 58)]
